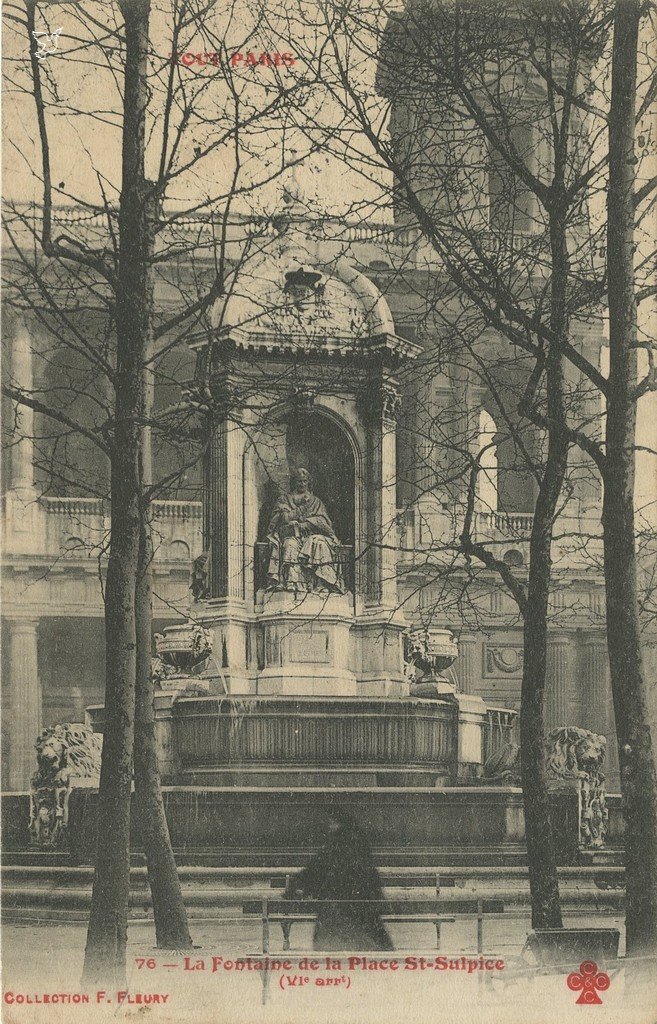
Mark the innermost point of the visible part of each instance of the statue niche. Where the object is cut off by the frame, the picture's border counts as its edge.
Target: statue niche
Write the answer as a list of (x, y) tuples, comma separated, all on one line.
[(304, 550)]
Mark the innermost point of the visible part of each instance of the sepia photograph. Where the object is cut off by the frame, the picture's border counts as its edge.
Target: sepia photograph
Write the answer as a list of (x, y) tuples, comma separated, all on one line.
[(329, 523)]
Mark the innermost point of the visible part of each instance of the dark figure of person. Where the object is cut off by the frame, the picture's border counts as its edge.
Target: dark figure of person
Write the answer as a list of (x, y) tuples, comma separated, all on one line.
[(344, 874)]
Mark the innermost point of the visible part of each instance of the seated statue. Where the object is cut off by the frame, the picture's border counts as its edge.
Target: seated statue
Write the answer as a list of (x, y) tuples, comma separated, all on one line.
[(303, 547)]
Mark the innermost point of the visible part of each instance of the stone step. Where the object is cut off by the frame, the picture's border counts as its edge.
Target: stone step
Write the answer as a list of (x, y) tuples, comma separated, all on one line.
[(272, 879), (435, 859), (424, 858), (23, 896)]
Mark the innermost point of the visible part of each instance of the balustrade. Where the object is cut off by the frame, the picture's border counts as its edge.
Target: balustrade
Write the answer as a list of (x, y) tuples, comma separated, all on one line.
[(512, 523), (86, 520)]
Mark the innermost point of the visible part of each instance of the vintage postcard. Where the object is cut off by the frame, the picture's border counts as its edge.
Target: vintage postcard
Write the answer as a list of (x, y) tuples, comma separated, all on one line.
[(329, 552)]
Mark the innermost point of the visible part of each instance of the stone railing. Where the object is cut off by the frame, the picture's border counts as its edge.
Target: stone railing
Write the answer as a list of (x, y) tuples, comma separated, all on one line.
[(73, 507), (330, 227), (85, 507), (79, 526), (74, 527), (515, 524), (182, 510)]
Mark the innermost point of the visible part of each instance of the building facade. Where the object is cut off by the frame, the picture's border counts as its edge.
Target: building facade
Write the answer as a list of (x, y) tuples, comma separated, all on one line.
[(54, 543)]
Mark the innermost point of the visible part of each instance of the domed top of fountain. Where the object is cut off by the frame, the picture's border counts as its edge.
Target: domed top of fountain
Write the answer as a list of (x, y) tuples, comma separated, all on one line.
[(284, 297)]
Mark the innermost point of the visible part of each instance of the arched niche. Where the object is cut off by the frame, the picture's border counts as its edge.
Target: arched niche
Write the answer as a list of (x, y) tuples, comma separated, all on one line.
[(316, 441)]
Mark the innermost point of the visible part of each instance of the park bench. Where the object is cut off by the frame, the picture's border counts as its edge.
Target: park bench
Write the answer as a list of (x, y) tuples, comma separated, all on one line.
[(405, 880), (551, 947), (436, 911), (560, 951)]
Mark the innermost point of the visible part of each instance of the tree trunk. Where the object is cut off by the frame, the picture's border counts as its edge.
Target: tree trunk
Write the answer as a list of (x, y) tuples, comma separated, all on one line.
[(105, 956), (107, 932), (638, 779), (171, 927), (543, 881)]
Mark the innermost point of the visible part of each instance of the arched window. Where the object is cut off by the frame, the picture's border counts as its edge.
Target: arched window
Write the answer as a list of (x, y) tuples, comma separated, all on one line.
[(487, 476)]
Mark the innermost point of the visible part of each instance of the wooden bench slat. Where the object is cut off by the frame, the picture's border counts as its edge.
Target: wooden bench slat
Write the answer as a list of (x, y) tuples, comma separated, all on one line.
[(469, 906), (384, 917), (419, 881)]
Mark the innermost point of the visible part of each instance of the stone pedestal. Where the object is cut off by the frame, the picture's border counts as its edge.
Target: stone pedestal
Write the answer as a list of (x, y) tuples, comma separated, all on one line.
[(470, 750), (233, 662), (379, 655), (167, 754), (306, 644)]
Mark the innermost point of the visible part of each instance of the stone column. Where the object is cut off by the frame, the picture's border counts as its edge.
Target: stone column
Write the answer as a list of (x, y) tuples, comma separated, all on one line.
[(389, 529), (559, 679), (223, 521), (24, 528), (467, 670), (595, 683), (251, 516), (381, 498), (235, 511), (25, 705), (598, 708), (466, 405), (215, 535), (371, 583)]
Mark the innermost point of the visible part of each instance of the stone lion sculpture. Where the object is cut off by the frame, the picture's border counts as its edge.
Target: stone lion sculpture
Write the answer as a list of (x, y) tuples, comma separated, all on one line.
[(574, 753), (571, 753), (65, 753)]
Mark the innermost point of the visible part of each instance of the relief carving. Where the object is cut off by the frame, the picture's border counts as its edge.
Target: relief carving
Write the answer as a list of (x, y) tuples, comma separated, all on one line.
[(505, 659)]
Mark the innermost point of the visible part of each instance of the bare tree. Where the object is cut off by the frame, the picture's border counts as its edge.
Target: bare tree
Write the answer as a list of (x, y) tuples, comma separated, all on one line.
[(496, 139), (623, 388), (177, 122)]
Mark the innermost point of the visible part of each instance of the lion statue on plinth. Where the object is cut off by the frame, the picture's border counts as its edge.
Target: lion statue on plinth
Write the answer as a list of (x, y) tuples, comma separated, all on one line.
[(570, 753), (66, 754), (574, 753)]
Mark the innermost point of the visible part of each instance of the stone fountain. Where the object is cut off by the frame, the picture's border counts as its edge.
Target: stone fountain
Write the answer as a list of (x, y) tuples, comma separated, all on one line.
[(297, 680)]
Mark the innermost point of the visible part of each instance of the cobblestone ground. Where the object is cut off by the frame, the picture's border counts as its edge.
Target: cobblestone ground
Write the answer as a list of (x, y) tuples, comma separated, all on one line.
[(46, 959)]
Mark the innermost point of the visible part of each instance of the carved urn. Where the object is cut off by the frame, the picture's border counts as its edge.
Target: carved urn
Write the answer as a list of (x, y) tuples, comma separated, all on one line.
[(429, 652), (180, 652)]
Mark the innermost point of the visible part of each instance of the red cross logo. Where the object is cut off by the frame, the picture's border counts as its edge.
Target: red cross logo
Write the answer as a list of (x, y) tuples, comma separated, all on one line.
[(587, 981)]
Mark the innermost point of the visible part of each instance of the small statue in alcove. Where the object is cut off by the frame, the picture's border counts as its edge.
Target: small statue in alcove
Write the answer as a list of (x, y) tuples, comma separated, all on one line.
[(199, 582), (303, 546)]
